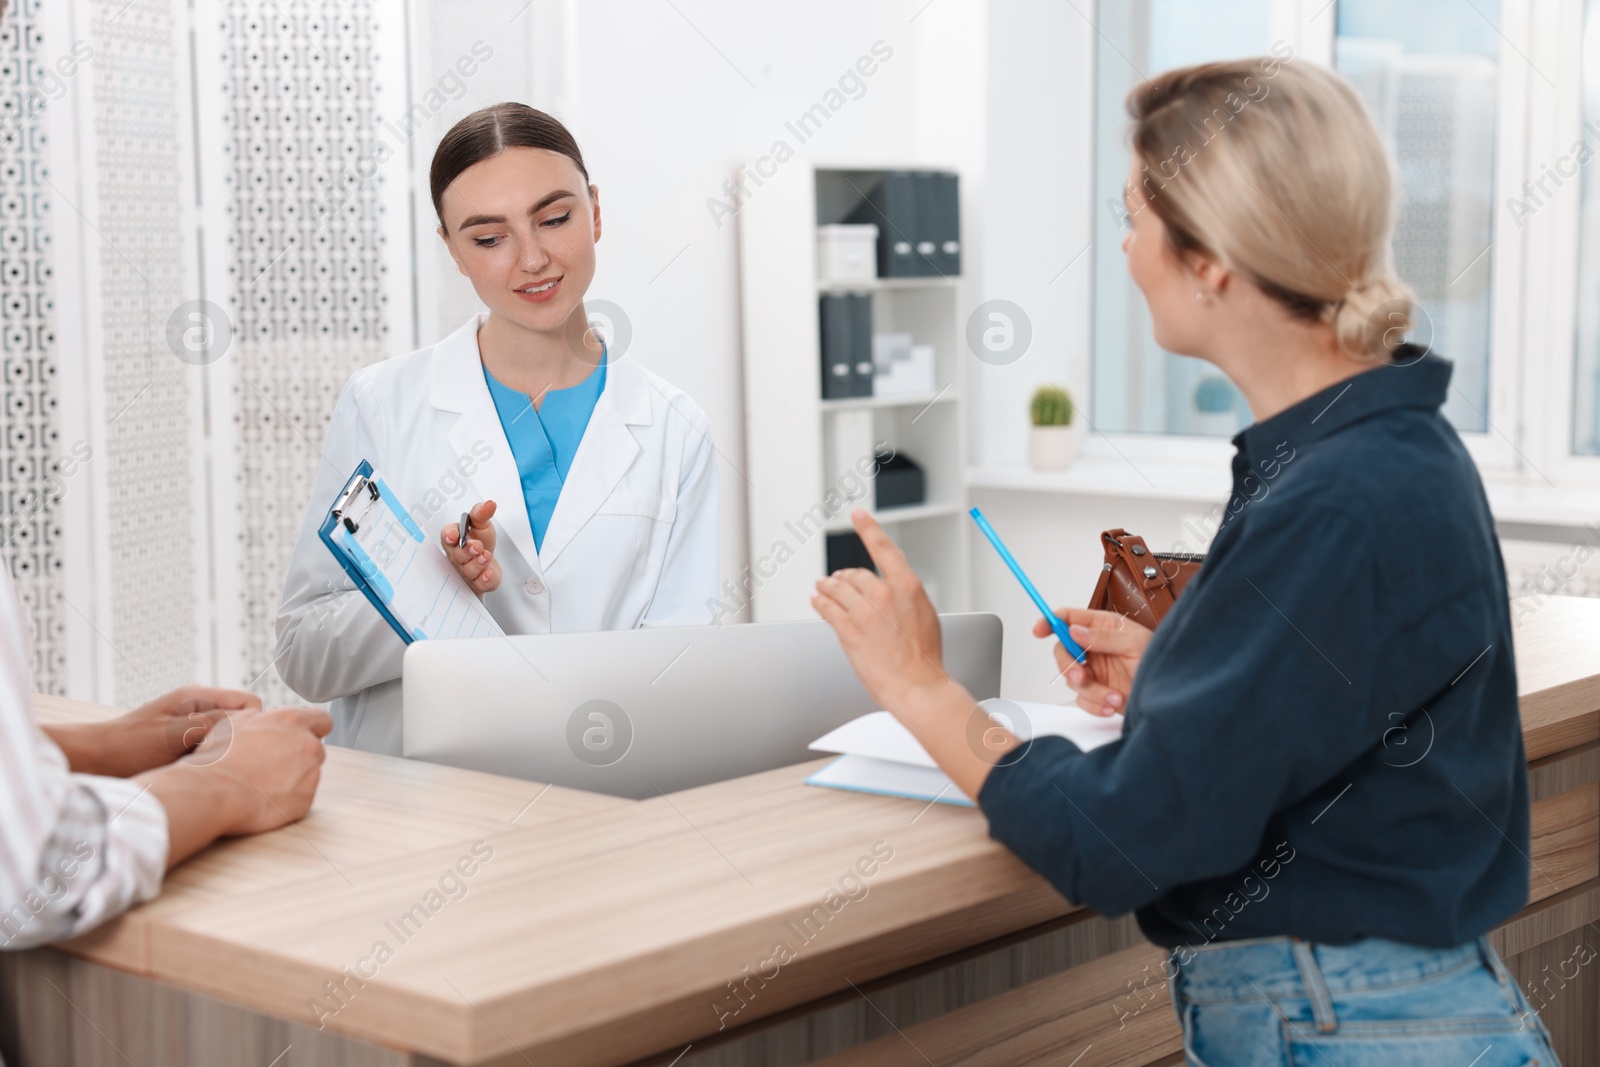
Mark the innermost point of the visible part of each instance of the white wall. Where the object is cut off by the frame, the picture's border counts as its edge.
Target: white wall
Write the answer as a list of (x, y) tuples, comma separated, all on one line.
[(1035, 228)]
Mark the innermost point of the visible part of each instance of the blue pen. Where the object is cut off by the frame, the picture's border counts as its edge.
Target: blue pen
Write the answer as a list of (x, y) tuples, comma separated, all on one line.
[(1060, 627)]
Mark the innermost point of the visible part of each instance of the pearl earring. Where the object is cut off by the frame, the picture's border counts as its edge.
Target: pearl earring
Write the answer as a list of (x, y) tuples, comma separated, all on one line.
[(1199, 295)]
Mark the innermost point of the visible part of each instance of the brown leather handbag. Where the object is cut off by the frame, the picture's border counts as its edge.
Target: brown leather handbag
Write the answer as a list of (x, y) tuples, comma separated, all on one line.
[(1139, 583)]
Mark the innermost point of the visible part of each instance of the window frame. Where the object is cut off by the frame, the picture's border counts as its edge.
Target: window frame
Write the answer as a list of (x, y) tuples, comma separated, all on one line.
[(1518, 446), (1550, 332)]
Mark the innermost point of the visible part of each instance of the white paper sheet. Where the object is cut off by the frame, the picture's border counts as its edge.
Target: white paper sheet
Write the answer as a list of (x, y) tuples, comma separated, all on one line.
[(878, 755)]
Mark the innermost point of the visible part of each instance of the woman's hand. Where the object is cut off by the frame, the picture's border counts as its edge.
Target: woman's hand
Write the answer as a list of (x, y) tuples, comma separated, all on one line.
[(153, 734), (888, 627), (890, 632), (1114, 644), (474, 559)]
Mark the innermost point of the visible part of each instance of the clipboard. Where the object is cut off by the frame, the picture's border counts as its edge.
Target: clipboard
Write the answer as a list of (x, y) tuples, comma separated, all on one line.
[(414, 587)]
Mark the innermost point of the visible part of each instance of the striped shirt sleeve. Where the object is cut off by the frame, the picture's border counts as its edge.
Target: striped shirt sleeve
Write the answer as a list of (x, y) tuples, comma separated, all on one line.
[(75, 849)]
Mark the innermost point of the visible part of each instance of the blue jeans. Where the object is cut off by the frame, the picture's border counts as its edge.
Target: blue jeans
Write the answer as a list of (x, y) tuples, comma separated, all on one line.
[(1283, 1002)]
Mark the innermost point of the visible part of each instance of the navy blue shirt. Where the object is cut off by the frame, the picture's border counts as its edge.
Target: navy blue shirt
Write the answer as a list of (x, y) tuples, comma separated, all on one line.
[(1323, 737)]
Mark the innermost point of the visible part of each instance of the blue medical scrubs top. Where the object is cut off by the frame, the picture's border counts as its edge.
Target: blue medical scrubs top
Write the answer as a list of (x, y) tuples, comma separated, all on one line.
[(543, 440)]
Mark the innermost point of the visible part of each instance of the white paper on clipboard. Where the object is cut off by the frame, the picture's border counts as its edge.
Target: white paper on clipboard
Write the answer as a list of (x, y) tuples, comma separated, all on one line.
[(425, 596)]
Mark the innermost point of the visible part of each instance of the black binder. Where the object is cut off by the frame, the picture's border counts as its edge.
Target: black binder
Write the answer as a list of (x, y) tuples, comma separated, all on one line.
[(947, 225), (890, 206), (838, 345), (861, 344), (925, 206)]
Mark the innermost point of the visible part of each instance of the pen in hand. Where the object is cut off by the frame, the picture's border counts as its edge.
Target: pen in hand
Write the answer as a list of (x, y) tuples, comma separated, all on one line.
[(1062, 632), (472, 552)]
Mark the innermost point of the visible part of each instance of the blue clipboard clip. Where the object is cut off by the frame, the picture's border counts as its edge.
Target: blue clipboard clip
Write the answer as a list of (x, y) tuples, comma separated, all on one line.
[(361, 485), (1063, 634), (358, 496)]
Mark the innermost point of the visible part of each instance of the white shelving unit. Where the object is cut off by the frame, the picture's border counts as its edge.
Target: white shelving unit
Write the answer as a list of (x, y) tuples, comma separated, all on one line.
[(803, 452)]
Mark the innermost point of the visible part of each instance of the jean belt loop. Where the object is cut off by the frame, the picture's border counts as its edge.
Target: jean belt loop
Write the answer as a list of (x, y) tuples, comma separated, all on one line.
[(1508, 985), (1316, 989), (1491, 960)]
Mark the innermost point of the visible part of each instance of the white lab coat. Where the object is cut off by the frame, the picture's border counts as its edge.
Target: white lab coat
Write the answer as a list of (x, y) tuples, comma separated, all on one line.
[(632, 541)]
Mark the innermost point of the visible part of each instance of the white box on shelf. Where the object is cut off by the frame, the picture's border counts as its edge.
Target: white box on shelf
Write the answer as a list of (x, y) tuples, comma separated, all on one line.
[(889, 349), (901, 367), (896, 381), (847, 253)]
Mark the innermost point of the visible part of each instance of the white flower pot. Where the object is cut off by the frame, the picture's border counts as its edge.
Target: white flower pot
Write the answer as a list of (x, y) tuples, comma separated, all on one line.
[(1051, 448), (1214, 423)]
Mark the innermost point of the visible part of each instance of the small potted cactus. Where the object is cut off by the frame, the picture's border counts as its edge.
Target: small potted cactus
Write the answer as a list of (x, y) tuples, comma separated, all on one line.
[(1051, 445)]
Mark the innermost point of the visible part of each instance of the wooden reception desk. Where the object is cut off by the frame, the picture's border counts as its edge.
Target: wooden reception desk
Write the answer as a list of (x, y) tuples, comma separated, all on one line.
[(423, 914)]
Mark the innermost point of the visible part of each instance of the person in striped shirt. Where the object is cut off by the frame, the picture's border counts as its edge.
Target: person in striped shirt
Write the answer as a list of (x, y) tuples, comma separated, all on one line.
[(92, 815)]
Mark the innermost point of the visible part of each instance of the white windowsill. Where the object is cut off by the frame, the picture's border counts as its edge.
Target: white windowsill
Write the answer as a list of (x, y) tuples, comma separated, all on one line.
[(1539, 503), (1099, 476), (1532, 503)]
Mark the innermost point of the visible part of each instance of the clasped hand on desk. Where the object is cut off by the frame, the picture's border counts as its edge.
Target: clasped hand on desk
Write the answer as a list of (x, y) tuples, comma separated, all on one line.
[(219, 764), (152, 735)]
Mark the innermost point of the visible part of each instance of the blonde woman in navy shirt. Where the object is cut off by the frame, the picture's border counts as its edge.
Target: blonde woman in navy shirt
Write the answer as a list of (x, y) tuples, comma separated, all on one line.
[(1327, 898)]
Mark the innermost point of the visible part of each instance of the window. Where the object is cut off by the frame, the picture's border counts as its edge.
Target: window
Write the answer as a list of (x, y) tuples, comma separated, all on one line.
[(1138, 386), (1428, 71), (1586, 366)]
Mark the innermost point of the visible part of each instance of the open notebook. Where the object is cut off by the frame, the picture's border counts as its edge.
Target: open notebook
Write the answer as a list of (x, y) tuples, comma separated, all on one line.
[(878, 755)]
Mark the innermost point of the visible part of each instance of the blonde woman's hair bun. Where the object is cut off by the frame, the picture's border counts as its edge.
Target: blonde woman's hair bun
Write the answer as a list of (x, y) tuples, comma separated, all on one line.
[(1374, 316)]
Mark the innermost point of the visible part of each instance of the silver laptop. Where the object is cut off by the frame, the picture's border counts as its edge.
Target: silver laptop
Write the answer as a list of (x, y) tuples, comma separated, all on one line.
[(634, 713)]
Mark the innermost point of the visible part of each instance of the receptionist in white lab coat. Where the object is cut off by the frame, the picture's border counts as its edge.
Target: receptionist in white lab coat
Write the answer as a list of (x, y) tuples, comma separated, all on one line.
[(593, 482)]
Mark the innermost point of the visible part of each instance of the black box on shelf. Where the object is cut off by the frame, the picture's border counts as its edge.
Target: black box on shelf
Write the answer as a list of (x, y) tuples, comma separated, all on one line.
[(900, 484), (846, 550)]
